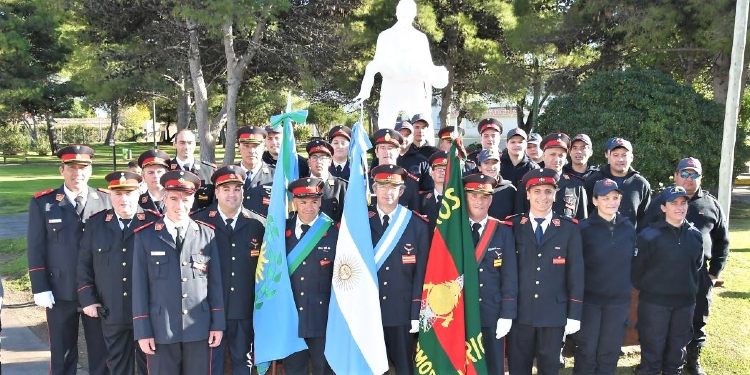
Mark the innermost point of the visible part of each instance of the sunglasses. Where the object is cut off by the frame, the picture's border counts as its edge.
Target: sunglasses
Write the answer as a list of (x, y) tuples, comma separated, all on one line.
[(691, 175)]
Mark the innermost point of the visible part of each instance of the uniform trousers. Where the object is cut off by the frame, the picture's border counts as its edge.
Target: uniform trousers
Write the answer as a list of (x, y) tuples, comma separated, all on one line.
[(62, 322), (702, 305), (494, 351), (400, 347), (181, 358), (599, 340), (664, 332), (527, 342), (236, 340), (297, 363), (124, 353)]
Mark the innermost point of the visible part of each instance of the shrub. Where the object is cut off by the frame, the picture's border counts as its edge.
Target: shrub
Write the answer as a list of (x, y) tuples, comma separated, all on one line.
[(79, 133), (664, 120), (41, 146), (13, 140)]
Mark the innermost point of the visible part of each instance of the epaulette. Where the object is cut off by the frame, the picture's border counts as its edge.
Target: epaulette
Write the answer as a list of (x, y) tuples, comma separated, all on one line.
[(511, 217), (413, 177), (371, 213), (199, 210), (42, 193), (568, 218), (102, 190), (152, 212), (423, 217), (206, 224), (98, 213), (506, 222), (142, 227)]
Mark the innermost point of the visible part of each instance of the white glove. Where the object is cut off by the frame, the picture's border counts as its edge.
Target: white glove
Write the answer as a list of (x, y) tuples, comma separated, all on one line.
[(503, 327), (414, 326), (572, 326), (44, 299)]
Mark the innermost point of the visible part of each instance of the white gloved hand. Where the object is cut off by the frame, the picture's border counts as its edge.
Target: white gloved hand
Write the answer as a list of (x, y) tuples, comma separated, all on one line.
[(503, 327), (44, 299), (572, 326), (414, 326)]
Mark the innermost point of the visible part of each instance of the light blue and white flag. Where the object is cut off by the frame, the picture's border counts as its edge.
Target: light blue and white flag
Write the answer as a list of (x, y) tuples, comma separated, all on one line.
[(354, 335), (275, 319)]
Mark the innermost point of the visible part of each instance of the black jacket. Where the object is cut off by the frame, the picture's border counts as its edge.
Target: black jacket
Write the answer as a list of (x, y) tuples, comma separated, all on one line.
[(608, 249), (418, 166), (665, 268), (503, 200), (636, 193), (569, 190), (514, 173)]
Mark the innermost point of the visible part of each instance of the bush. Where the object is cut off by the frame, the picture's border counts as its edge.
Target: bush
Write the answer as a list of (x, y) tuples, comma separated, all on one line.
[(80, 134), (664, 120), (302, 133), (41, 146), (13, 140)]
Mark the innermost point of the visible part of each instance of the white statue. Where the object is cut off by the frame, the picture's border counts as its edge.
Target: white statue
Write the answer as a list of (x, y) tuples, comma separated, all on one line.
[(402, 57)]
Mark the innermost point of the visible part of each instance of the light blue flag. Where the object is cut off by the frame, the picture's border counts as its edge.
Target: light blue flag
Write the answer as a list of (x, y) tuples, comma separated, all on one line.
[(354, 335), (275, 319)]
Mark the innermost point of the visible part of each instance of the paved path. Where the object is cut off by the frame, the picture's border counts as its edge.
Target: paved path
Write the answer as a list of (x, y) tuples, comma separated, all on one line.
[(13, 226)]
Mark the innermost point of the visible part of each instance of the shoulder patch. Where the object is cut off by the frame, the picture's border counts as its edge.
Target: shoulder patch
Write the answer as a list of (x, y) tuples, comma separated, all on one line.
[(142, 227), (205, 224), (43, 193), (102, 190), (371, 214)]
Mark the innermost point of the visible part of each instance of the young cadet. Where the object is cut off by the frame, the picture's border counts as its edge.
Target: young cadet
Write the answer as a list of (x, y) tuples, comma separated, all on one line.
[(153, 163), (340, 137), (387, 145), (184, 160), (421, 123), (498, 273), (636, 191), (490, 130), (410, 159), (430, 204), (550, 283), (319, 153), (178, 310), (533, 148), (504, 195), (445, 140), (707, 216), (271, 153), (570, 199), (105, 265), (56, 222), (665, 271), (239, 235), (608, 248), (401, 242), (513, 162), (311, 248), (259, 175), (580, 152)]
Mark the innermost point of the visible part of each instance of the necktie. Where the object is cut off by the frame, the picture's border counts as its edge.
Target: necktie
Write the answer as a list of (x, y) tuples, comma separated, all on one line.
[(186, 167), (160, 206), (386, 220), (249, 176), (79, 205), (179, 238), (229, 225), (539, 232), (305, 228), (125, 225), (339, 169), (475, 233), (439, 198)]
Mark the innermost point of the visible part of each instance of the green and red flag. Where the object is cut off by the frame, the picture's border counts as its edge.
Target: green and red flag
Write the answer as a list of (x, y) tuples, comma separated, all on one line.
[(450, 337)]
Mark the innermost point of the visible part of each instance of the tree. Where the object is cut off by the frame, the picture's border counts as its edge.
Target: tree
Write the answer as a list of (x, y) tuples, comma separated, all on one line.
[(664, 120)]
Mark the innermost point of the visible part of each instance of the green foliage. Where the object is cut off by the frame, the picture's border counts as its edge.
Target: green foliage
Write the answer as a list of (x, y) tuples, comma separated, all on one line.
[(41, 145), (13, 140), (324, 116), (132, 122), (664, 120), (80, 133), (302, 133)]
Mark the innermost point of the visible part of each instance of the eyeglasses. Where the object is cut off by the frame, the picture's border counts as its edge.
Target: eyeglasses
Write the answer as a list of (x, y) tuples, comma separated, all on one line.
[(319, 157), (691, 175)]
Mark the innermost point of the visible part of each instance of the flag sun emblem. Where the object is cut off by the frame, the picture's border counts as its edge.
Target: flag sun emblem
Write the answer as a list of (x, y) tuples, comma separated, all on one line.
[(347, 272)]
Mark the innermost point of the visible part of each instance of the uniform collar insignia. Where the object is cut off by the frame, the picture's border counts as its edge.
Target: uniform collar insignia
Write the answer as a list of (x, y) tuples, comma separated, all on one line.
[(141, 216), (144, 199), (524, 219), (108, 218), (159, 226), (59, 197), (212, 213), (556, 222)]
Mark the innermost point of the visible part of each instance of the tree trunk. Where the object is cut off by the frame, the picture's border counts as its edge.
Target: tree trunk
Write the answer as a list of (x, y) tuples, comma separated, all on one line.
[(51, 133), (207, 139), (536, 91), (183, 104), (720, 78), (446, 96), (114, 122), (520, 105)]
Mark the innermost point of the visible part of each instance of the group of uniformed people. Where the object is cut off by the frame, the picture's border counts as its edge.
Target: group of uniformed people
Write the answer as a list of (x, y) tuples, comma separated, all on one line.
[(160, 267)]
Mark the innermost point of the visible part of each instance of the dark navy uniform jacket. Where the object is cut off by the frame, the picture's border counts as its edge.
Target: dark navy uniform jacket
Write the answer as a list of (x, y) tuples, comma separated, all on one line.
[(503, 200), (238, 255), (332, 203), (204, 195), (636, 193), (550, 274), (55, 231), (258, 190), (411, 197), (311, 281), (498, 276), (429, 207), (665, 268), (400, 280), (344, 174), (147, 203), (105, 264), (177, 297), (706, 215), (568, 190)]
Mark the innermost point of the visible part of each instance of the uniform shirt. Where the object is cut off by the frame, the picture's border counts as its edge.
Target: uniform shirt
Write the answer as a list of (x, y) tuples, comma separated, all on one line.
[(72, 196), (344, 174), (545, 224), (225, 217), (189, 163), (482, 224), (298, 226), (172, 227)]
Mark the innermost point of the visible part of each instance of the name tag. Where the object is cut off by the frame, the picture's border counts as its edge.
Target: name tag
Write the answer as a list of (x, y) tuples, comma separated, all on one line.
[(158, 253), (54, 221), (558, 260), (409, 259), (254, 253), (324, 262)]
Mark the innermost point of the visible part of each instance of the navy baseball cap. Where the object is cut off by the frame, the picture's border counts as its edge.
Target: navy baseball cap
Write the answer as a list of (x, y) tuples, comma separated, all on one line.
[(673, 192), (421, 117), (690, 163), (583, 138), (535, 138), (616, 142), (404, 125), (517, 132), (485, 155), (604, 187)]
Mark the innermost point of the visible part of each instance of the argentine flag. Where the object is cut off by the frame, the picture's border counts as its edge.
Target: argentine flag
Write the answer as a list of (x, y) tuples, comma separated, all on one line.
[(354, 335)]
